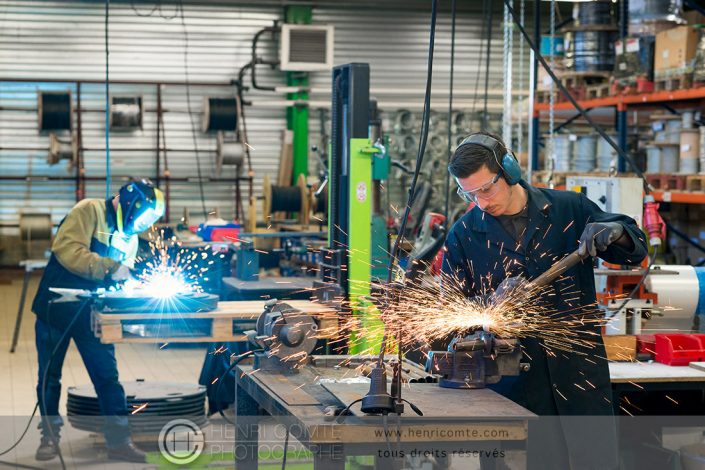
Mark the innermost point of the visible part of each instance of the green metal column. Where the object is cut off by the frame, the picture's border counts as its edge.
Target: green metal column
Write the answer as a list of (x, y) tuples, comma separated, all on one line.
[(359, 249), (297, 116)]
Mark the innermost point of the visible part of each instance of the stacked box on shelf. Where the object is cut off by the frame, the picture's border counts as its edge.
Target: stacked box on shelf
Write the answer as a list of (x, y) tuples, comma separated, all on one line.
[(674, 56), (634, 58)]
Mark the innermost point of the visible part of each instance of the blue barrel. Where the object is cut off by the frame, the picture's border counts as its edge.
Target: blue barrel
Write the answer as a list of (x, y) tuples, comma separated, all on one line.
[(700, 309)]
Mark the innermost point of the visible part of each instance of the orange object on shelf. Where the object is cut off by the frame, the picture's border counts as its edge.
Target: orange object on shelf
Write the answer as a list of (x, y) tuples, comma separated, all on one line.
[(626, 100), (619, 287)]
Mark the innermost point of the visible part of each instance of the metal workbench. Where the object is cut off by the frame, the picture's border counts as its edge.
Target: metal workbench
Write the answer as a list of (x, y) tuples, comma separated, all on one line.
[(453, 421)]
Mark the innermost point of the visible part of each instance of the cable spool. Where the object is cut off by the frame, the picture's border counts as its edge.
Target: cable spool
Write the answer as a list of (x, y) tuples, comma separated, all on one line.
[(585, 152), (62, 150), (229, 153), (689, 151), (653, 159), (35, 233), (605, 153), (673, 130), (126, 113), (563, 152), (702, 149), (593, 51), (219, 114), (319, 204), (669, 159), (404, 122), (54, 111), (595, 12), (654, 10), (286, 199)]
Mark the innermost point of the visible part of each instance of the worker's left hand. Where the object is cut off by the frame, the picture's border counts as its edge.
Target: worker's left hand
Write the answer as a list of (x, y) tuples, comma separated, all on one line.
[(506, 288), (597, 236)]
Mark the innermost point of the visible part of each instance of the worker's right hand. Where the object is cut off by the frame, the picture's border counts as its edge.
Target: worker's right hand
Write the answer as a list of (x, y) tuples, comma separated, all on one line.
[(123, 273), (506, 288)]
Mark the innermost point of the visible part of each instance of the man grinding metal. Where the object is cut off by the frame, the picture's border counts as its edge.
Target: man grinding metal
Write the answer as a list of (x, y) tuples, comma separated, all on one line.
[(95, 246), (516, 232)]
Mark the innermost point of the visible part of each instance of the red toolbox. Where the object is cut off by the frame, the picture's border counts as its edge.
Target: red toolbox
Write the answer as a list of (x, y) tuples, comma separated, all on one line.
[(678, 349)]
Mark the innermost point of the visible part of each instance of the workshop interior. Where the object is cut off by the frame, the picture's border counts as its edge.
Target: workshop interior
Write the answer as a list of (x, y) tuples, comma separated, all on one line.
[(352, 234)]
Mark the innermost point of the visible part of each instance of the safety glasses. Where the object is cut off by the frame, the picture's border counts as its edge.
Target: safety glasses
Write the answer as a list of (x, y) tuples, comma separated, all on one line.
[(486, 191)]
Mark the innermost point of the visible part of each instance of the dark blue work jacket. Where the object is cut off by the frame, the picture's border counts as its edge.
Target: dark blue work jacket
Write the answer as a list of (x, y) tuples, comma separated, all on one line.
[(480, 253)]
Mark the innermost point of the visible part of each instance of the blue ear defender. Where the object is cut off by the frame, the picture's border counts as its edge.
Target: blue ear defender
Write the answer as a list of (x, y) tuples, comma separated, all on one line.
[(511, 170)]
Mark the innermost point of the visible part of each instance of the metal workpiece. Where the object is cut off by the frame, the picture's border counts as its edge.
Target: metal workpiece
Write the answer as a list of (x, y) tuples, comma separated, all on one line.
[(476, 360)]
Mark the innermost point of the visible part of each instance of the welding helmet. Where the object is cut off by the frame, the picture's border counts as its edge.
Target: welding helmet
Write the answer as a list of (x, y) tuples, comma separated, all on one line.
[(140, 205)]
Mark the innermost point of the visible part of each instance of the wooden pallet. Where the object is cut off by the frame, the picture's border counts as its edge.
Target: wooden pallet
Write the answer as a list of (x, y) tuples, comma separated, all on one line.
[(631, 86), (226, 324), (601, 90), (695, 183), (667, 182), (674, 82)]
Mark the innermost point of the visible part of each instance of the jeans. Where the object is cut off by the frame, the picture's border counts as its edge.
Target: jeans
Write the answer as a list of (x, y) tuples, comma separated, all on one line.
[(100, 363)]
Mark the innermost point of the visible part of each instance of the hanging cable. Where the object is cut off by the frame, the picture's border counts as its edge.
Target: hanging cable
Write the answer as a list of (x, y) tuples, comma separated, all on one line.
[(520, 127), (108, 175), (549, 150), (419, 162), (190, 112), (625, 155), (450, 104), (507, 72), (479, 60), (488, 55)]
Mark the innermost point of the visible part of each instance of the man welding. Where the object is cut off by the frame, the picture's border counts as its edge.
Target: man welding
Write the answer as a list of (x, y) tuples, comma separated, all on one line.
[(95, 246), (515, 232)]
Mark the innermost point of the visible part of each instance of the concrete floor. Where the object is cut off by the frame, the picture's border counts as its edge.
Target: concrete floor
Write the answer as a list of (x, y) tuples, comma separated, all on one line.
[(18, 375)]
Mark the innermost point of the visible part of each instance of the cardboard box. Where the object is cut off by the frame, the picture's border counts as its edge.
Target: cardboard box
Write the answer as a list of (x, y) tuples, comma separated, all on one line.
[(620, 347), (675, 50)]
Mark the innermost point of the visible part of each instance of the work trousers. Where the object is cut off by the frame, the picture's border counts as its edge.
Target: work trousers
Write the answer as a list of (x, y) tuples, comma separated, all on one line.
[(100, 363)]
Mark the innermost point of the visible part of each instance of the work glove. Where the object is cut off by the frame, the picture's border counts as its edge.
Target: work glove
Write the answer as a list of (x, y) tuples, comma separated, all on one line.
[(123, 273), (597, 236), (506, 288)]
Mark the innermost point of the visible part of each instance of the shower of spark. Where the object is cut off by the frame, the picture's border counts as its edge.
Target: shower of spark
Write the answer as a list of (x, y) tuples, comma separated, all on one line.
[(170, 271), (430, 310)]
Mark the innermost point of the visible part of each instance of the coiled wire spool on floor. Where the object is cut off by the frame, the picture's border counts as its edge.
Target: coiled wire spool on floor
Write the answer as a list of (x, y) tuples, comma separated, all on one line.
[(286, 199), (62, 150), (229, 153), (219, 114), (54, 111)]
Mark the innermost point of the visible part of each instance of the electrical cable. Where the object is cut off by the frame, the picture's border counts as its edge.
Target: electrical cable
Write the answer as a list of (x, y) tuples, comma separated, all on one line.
[(222, 379), (419, 161), (487, 66), (29, 423), (190, 112), (286, 444), (634, 290), (625, 155), (450, 104), (108, 175), (479, 60)]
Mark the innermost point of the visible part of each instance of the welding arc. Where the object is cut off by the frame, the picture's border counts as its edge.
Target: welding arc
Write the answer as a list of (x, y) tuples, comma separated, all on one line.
[(625, 155)]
